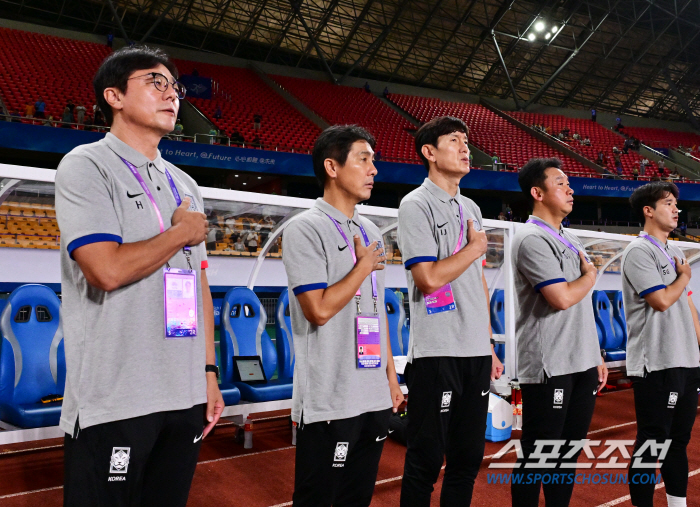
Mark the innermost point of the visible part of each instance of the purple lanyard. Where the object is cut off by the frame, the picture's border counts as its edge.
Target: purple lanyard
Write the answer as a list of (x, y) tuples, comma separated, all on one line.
[(659, 246), (145, 188), (552, 232), (354, 257), (461, 231)]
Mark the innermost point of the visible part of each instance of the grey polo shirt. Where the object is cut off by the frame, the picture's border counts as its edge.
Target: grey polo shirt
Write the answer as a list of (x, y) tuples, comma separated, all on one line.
[(327, 383), (119, 364), (549, 341), (428, 231), (655, 340)]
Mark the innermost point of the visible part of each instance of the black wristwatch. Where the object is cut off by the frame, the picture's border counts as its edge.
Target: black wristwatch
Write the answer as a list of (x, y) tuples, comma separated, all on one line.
[(493, 342), (212, 368)]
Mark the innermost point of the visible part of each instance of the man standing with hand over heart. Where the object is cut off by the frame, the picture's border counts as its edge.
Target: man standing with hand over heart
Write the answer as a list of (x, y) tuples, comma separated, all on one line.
[(662, 347), (560, 369), (140, 357), (450, 360)]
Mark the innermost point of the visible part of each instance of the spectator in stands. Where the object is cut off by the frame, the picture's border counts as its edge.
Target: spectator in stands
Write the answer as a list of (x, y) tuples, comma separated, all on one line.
[(218, 113), (99, 120), (49, 122), (616, 150), (501, 216), (451, 354), (211, 236), (141, 397), (601, 159), (576, 136), (386, 92), (635, 172), (213, 135), (616, 158), (661, 172), (80, 113), (110, 39), (618, 167), (377, 155), (674, 174), (366, 87), (177, 131), (509, 212), (257, 120), (252, 241), (239, 245), (618, 125), (195, 72), (40, 108), (643, 164), (70, 105), (635, 144), (237, 138), (661, 163), (642, 170), (67, 118), (566, 222), (553, 279), (627, 145), (256, 141), (586, 141), (593, 115), (29, 110), (662, 348), (15, 116)]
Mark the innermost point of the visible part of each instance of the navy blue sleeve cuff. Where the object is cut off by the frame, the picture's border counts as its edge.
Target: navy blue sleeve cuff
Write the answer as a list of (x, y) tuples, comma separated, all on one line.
[(416, 260), (651, 289), (548, 282), (309, 286), (92, 238)]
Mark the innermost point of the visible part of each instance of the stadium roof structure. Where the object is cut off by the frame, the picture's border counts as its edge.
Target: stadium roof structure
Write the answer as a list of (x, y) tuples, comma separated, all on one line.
[(636, 57)]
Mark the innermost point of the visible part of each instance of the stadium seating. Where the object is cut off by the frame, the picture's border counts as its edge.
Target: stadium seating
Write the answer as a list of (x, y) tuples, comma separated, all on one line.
[(662, 138), (54, 68), (32, 357), (489, 132), (28, 225), (241, 93), (284, 338), (398, 333), (243, 322), (348, 105), (601, 138)]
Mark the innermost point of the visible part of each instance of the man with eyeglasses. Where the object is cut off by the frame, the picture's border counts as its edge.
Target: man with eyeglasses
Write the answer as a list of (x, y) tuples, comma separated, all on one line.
[(141, 374)]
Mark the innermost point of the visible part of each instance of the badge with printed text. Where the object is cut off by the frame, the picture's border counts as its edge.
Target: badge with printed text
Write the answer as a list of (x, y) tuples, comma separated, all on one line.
[(369, 341), (180, 292), (442, 300)]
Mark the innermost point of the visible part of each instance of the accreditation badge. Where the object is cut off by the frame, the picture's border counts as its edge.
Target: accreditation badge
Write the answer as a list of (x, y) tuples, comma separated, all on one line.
[(369, 341), (442, 300), (180, 292)]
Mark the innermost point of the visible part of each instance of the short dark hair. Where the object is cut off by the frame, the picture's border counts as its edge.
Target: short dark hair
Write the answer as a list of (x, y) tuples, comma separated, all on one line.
[(430, 132), (117, 67), (532, 175), (335, 143), (649, 194)]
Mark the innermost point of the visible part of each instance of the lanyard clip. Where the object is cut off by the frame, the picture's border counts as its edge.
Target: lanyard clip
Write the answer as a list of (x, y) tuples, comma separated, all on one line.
[(357, 302), (187, 256), (376, 312)]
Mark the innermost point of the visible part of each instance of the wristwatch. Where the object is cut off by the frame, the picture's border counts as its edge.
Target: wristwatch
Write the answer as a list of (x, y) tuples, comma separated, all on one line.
[(212, 368), (493, 342)]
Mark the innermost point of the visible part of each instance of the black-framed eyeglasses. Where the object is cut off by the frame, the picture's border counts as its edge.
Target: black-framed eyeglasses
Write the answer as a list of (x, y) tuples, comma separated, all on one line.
[(161, 83)]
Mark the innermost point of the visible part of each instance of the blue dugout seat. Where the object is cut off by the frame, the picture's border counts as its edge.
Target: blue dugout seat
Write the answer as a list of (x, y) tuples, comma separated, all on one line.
[(284, 339), (619, 321), (230, 393), (398, 331), (498, 321), (218, 302), (243, 320), (609, 342), (32, 357)]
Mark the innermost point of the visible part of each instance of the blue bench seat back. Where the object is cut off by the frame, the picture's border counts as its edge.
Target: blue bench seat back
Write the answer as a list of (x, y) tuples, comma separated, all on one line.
[(284, 338), (498, 312), (396, 316), (243, 320), (32, 357), (612, 343), (619, 321)]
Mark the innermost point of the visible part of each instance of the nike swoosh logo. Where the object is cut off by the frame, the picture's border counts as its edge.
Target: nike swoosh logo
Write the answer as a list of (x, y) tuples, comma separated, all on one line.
[(197, 439), (380, 439), (391, 431), (132, 196), (664, 267), (341, 249), (441, 226), (595, 391), (484, 393)]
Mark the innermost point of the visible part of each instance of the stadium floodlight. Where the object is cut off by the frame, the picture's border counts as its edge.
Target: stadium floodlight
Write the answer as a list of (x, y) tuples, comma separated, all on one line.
[(539, 26), (554, 29), (547, 35), (531, 37)]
